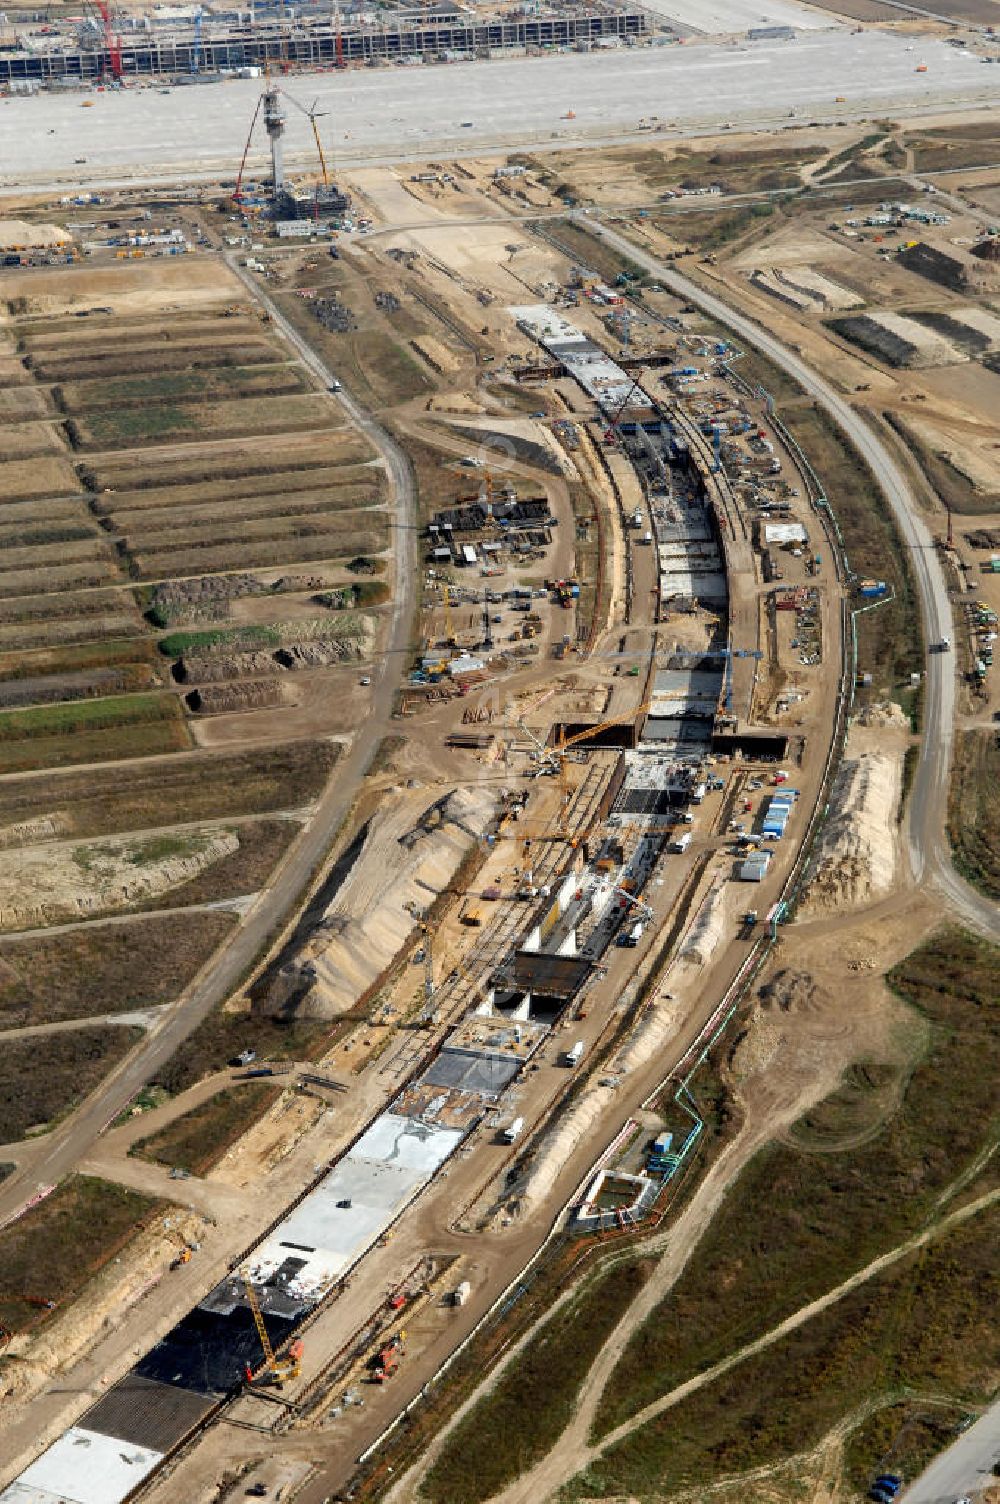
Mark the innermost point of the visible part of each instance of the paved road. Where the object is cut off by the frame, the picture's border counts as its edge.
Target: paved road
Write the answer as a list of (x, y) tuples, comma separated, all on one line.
[(930, 853), (48, 1160), (502, 105), (965, 1468)]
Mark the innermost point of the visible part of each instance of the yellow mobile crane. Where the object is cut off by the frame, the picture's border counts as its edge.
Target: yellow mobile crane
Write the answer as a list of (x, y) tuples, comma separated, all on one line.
[(275, 1369)]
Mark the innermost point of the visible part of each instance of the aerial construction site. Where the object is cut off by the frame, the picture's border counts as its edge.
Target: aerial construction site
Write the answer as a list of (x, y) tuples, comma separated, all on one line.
[(498, 820)]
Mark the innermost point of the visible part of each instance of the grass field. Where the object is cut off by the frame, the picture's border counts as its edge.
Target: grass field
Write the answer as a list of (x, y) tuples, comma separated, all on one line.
[(33, 478), (271, 486), (764, 1255), (277, 503), (371, 536), (197, 1140), (519, 1421), (53, 1251), (974, 809), (95, 715), (180, 386), (157, 423), (105, 968), (14, 666), (226, 639), (43, 1076), (916, 1329), (59, 363), (110, 744), (29, 635), (204, 786), (57, 577), (132, 472)]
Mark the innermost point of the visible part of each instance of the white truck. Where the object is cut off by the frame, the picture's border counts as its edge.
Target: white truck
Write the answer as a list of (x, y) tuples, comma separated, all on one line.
[(574, 1054), (681, 843), (513, 1131)]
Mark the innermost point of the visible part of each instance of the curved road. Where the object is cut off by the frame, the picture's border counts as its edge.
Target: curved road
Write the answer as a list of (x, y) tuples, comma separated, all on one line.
[(930, 853), (48, 1160)]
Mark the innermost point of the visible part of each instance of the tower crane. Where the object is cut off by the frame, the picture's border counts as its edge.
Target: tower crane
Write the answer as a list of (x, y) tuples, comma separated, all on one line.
[(196, 49), (449, 625)]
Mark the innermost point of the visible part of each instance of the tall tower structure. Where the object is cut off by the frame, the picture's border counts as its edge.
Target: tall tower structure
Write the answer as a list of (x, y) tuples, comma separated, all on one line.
[(274, 123)]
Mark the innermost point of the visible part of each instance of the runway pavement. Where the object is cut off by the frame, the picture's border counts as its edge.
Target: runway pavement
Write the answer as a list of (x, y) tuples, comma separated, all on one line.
[(386, 113)]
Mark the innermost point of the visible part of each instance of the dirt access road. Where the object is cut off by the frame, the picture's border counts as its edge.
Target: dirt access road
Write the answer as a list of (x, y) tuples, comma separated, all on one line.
[(61, 1151), (930, 853)]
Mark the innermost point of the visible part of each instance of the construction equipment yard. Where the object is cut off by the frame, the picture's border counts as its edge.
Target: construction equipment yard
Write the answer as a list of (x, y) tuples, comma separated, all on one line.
[(477, 683)]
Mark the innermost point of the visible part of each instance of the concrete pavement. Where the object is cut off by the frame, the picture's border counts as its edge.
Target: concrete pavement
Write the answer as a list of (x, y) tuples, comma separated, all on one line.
[(502, 105)]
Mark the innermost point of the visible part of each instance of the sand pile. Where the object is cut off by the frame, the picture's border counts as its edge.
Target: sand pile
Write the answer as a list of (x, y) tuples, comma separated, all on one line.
[(18, 234), (58, 882), (703, 938), (856, 852), (557, 1144), (409, 856)]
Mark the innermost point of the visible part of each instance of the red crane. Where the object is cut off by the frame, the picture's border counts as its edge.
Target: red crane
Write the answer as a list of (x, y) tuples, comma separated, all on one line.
[(112, 42), (611, 432)]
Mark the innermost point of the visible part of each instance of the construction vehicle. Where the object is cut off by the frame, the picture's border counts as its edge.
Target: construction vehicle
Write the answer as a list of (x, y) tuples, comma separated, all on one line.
[(274, 1370), (184, 1257), (386, 1361)]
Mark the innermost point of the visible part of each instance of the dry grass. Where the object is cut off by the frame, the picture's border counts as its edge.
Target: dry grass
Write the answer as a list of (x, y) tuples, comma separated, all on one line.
[(51, 1254), (203, 786), (165, 422), (112, 744), (265, 554), (974, 809), (197, 1140), (135, 472), (105, 968), (204, 385), (262, 845), (44, 1076)]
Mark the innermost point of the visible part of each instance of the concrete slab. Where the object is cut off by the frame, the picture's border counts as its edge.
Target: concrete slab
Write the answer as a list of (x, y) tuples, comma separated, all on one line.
[(83, 1467)]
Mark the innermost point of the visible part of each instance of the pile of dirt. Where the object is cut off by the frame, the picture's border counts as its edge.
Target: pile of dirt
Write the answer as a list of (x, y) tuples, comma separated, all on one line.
[(704, 936), (410, 854), (788, 994), (857, 848), (885, 713), (204, 598), (217, 699), (210, 668), (319, 654), (57, 882)]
